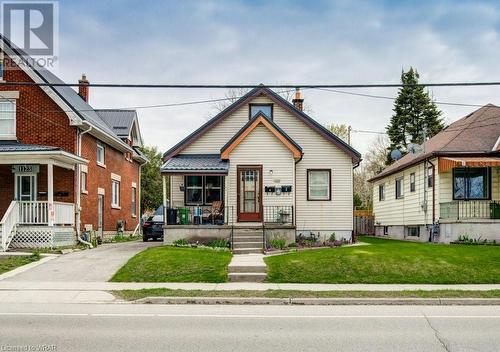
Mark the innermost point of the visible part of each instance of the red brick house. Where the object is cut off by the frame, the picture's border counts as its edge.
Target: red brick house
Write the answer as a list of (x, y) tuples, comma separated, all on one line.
[(65, 167)]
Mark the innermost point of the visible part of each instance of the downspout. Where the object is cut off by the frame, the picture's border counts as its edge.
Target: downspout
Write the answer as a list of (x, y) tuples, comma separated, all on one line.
[(78, 181), (433, 196)]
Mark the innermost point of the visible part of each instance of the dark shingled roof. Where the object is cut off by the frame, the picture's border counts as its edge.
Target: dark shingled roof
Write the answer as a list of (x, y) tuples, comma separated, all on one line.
[(14, 146), (120, 121), (474, 134), (200, 163)]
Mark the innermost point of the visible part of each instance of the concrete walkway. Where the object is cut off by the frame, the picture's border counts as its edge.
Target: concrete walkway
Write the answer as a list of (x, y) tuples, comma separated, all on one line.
[(96, 265), (247, 268), (108, 286)]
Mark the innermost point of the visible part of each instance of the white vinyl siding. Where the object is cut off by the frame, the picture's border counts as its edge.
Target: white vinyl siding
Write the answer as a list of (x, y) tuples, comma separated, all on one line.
[(261, 147), (319, 153), (408, 209)]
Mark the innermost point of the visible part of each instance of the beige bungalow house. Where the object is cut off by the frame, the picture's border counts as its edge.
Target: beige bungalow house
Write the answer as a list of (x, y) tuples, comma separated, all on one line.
[(260, 167), (450, 189)]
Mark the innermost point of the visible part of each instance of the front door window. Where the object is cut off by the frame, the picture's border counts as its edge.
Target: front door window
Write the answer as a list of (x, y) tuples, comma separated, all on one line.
[(249, 194), (26, 187)]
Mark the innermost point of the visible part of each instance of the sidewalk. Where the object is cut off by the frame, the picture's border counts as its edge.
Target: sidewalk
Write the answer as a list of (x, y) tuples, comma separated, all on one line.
[(110, 286)]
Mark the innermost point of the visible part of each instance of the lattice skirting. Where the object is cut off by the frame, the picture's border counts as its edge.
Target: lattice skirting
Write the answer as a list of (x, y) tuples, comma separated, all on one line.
[(43, 237)]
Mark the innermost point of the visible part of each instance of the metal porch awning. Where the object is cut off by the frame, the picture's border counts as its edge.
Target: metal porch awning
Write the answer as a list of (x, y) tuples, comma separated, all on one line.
[(448, 163), (207, 164)]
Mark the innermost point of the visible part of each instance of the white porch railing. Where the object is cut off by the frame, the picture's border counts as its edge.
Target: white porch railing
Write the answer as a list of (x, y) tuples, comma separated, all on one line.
[(37, 213), (8, 224)]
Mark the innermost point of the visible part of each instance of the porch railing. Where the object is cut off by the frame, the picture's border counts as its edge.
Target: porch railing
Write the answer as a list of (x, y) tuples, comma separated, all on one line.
[(8, 224), (278, 214), (469, 209), (37, 213), (200, 215)]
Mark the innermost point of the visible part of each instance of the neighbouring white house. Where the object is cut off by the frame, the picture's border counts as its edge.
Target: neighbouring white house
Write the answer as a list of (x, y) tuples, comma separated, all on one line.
[(449, 189), (262, 165)]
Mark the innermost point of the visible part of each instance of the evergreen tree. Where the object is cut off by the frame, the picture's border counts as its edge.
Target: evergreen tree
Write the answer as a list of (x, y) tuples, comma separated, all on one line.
[(414, 111)]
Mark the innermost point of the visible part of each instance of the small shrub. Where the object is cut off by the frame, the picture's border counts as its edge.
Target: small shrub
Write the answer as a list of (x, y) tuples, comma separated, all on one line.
[(278, 243), (332, 237), (180, 242), (218, 243), (292, 245)]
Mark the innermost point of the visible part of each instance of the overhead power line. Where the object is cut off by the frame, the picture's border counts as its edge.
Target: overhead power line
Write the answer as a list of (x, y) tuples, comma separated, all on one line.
[(249, 86)]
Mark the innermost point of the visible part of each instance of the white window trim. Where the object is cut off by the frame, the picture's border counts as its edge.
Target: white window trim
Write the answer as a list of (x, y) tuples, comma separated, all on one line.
[(83, 186), (101, 191), (10, 96), (100, 163), (402, 191), (113, 204), (134, 213), (328, 197)]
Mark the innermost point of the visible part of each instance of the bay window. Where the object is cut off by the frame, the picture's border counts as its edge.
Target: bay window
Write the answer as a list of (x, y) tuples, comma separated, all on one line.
[(203, 190), (471, 183), (318, 184)]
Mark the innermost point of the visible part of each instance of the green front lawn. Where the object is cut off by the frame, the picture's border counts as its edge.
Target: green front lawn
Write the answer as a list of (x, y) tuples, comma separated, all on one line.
[(389, 262), (132, 295), (10, 263), (172, 264)]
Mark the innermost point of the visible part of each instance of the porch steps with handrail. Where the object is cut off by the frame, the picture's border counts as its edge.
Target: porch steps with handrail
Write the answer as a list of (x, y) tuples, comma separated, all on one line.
[(8, 225), (247, 240)]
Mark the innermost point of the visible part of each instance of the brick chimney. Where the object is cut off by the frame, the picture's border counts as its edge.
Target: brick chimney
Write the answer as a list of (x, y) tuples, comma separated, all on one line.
[(298, 101), (83, 87)]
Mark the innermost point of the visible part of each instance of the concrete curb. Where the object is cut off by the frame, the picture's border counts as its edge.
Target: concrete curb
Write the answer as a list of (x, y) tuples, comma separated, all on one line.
[(319, 301)]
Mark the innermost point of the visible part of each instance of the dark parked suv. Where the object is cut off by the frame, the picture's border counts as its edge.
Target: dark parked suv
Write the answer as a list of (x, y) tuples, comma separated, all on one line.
[(153, 226)]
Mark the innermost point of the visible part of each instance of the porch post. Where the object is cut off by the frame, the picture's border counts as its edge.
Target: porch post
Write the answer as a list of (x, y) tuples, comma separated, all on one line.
[(50, 193), (164, 179)]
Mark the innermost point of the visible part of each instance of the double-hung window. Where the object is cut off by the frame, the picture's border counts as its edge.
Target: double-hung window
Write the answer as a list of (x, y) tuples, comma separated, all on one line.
[(100, 154), (430, 176), (133, 202), (319, 185), (115, 193), (203, 189), (83, 181), (399, 188), (412, 182), (381, 192), (7, 119), (471, 183)]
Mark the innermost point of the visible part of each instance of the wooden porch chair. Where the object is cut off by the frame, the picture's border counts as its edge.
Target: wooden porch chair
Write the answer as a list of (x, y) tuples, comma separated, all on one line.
[(217, 211)]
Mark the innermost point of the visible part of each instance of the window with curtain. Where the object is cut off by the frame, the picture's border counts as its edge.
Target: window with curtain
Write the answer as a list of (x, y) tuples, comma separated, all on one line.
[(318, 184), (471, 183), (7, 118)]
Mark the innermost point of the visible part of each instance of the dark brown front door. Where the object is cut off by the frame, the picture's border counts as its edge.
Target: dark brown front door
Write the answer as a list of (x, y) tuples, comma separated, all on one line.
[(249, 193)]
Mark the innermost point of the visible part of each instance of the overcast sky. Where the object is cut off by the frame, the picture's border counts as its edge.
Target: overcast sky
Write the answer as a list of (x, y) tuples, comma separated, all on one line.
[(271, 42)]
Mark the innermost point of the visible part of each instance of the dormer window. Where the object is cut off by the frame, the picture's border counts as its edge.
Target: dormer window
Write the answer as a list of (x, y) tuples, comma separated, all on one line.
[(7, 118), (266, 109)]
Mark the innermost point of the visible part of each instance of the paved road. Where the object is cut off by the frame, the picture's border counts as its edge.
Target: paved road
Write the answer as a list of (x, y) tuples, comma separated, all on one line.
[(124, 327), (96, 265)]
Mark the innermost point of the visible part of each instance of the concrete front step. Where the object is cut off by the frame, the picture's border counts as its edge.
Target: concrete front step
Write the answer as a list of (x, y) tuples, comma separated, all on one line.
[(247, 244), (247, 239), (247, 277), (243, 268), (247, 250), (247, 234)]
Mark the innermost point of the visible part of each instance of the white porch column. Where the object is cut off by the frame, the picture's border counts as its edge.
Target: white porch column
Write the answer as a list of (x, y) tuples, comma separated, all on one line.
[(50, 193), (164, 179)]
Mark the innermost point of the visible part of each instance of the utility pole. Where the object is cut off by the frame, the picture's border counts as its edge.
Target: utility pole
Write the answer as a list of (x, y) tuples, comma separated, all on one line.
[(349, 129)]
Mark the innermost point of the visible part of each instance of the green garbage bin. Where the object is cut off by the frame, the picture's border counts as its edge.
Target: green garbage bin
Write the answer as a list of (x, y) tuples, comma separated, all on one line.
[(494, 210), (184, 216)]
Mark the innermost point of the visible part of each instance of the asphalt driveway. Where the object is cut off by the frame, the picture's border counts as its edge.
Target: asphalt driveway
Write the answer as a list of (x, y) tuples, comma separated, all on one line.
[(95, 265)]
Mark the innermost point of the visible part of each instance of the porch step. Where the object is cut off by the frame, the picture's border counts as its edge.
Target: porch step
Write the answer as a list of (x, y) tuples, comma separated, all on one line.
[(257, 250), (247, 244), (247, 268), (247, 277), (247, 238)]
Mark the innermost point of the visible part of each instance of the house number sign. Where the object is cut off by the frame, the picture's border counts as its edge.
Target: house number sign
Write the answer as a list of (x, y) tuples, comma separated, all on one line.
[(25, 168)]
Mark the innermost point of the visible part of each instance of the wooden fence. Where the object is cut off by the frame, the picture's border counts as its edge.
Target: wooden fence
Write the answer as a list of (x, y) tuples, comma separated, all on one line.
[(364, 222)]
